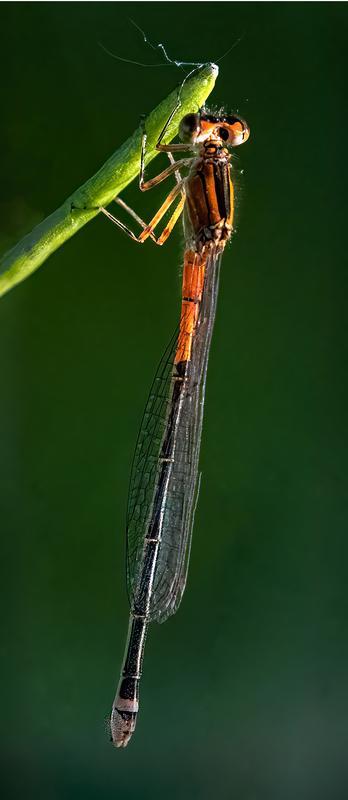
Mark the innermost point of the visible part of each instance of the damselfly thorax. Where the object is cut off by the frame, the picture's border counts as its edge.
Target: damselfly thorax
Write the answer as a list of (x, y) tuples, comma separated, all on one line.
[(208, 213)]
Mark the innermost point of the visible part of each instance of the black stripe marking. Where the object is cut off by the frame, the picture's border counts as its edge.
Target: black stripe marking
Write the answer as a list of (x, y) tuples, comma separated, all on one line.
[(206, 197), (222, 189)]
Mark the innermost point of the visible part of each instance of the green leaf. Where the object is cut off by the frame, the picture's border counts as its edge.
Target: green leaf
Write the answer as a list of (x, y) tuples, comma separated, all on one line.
[(120, 169)]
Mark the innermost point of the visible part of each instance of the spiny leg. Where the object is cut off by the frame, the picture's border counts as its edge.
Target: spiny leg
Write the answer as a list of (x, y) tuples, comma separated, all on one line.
[(146, 185), (178, 176), (122, 226), (174, 166), (174, 218), (149, 229), (162, 210), (132, 213), (173, 148)]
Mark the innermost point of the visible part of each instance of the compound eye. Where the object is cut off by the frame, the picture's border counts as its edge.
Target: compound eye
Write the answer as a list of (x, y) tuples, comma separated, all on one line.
[(224, 134), (189, 127), (238, 130)]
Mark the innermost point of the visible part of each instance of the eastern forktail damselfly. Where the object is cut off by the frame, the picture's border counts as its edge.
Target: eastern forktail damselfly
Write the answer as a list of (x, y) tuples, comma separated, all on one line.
[(164, 479)]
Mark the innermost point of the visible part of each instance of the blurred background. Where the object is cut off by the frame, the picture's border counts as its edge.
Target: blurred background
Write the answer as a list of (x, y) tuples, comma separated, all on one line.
[(245, 691)]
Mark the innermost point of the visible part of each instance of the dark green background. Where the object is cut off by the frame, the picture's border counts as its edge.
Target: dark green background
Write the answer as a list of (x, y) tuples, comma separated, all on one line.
[(245, 691)]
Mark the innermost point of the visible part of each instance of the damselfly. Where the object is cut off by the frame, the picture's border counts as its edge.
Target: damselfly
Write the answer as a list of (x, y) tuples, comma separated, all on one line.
[(164, 479)]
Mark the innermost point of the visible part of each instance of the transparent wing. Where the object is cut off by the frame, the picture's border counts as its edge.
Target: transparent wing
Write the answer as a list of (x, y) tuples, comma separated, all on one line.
[(144, 472), (172, 421)]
